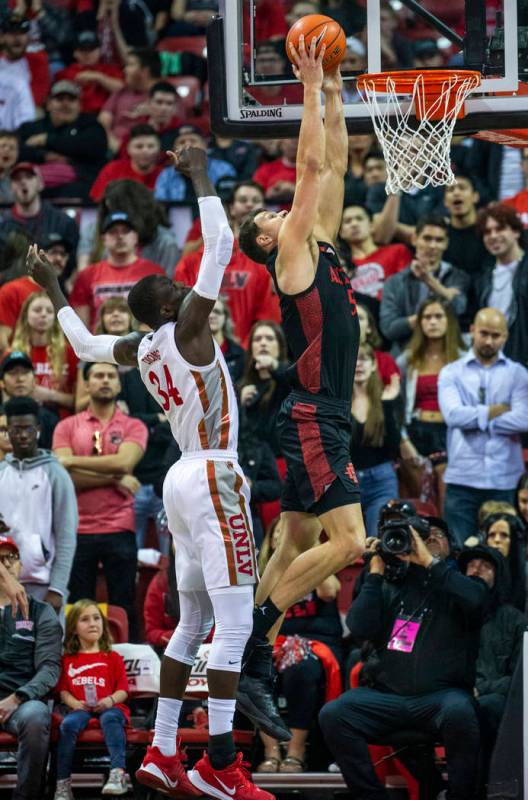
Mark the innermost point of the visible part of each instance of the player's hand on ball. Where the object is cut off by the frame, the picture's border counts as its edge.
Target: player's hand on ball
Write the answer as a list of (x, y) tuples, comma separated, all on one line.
[(306, 66), (40, 268), (188, 160)]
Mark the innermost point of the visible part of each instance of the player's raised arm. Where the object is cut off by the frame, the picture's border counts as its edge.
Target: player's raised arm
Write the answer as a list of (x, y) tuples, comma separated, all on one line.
[(332, 191), (193, 318), (87, 347), (299, 225)]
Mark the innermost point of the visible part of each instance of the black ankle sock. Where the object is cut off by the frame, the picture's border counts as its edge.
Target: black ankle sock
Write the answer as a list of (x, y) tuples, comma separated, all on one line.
[(264, 618), (221, 750)]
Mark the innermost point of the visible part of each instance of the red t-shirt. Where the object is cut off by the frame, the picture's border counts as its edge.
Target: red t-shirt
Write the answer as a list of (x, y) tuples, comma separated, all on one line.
[(12, 297), (372, 271), (274, 171), (117, 170), (246, 284), (387, 367), (123, 105), (93, 95), (102, 280), (106, 509), (519, 202), (195, 233), (44, 370), (105, 671)]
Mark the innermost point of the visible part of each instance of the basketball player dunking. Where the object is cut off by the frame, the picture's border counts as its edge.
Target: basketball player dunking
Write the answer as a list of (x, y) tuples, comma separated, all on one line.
[(205, 494), (322, 329)]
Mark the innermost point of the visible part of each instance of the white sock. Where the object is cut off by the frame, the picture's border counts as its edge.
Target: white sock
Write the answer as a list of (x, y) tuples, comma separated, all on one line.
[(221, 713), (166, 727)]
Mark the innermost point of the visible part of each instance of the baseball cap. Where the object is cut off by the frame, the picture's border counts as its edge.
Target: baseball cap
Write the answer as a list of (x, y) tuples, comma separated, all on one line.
[(7, 541), (113, 219), (425, 47), (15, 23), (65, 87), (15, 359), (86, 40), (51, 239), (26, 166)]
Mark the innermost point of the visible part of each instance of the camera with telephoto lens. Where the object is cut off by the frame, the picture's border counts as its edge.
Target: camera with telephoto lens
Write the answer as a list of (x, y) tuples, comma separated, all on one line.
[(396, 539)]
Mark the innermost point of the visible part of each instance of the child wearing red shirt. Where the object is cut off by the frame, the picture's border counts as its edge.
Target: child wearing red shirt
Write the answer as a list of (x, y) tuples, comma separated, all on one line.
[(93, 683)]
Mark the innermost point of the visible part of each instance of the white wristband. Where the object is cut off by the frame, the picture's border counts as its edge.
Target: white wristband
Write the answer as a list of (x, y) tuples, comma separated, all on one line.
[(87, 347)]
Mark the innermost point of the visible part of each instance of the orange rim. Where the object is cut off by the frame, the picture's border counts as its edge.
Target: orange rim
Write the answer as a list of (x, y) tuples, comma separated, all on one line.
[(404, 80)]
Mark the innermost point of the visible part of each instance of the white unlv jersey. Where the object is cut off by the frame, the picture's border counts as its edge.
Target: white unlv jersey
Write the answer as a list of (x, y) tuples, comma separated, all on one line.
[(199, 402)]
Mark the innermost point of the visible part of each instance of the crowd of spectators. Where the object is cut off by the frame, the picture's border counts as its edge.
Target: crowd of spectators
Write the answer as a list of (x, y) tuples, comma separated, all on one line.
[(89, 105)]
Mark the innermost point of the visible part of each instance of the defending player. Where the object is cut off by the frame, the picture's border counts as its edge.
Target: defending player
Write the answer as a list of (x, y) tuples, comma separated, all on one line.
[(320, 321), (205, 494)]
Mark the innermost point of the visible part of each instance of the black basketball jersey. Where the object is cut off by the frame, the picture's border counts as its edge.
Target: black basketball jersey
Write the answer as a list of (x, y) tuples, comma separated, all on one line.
[(322, 329)]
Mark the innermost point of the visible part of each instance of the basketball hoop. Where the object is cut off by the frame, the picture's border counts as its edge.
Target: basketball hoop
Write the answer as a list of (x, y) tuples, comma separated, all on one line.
[(417, 153)]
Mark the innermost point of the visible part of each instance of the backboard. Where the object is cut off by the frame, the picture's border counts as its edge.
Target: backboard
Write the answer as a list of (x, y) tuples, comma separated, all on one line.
[(254, 94)]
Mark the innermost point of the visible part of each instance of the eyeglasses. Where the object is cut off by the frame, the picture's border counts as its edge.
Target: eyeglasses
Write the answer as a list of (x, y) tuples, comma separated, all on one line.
[(9, 558), (97, 439), (437, 534)]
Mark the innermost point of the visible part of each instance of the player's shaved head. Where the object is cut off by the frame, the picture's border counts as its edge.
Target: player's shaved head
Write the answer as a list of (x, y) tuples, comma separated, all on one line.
[(492, 318)]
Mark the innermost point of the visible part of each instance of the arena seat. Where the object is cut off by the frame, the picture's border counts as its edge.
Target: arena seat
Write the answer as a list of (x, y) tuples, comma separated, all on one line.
[(184, 44)]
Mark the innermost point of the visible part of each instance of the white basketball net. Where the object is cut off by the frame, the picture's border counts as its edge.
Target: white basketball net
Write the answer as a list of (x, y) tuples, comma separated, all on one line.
[(419, 155)]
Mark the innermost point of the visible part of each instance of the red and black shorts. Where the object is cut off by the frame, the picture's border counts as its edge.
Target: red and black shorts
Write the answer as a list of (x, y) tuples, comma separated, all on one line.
[(314, 436)]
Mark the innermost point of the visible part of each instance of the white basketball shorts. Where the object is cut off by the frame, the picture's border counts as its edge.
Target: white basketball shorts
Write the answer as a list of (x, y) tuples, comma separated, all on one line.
[(207, 505)]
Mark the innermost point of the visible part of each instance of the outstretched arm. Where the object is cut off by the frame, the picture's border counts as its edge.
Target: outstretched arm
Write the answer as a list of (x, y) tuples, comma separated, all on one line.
[(295, 253), (332, 191), (109, 349), (193, 336)]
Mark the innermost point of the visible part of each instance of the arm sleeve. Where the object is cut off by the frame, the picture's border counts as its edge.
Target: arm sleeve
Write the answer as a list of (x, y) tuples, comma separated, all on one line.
[(364, 618), (47, 657), (65, 523), (516, 420), (218, 247), (87, 346), (455, 413)]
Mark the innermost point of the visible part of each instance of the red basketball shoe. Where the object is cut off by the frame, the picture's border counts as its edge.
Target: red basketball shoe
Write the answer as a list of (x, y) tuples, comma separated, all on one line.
[(231, 783), (166, 774)]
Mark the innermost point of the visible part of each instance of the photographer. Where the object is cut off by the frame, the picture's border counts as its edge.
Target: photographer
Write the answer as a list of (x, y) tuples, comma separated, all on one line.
[(424, 629)]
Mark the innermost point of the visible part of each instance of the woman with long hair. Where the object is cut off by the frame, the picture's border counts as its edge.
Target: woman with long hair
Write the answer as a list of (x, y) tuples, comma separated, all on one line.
[(507, 534), (436, 341), (264, 383), (369, 334), (375, 436), (39, 334), (223, 330), (157, 242), (521, 498), (115, 319)]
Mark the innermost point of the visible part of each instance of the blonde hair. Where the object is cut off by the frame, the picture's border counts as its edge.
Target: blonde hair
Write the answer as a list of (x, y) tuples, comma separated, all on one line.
[(494, 507), (71, 640), (374, 430), (56, 344)]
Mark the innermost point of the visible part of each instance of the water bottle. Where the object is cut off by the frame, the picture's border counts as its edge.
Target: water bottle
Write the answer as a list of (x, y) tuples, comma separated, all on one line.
[(90, 695)]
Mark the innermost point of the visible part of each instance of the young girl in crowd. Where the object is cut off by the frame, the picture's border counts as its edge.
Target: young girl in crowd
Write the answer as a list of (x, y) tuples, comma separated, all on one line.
[(436, 341), (375, 436), (93, 683), (39, 334), (264, 383), (223, 330), (115, 319)]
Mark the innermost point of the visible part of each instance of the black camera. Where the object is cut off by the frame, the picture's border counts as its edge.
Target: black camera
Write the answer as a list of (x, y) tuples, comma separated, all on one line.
[(395, 538)]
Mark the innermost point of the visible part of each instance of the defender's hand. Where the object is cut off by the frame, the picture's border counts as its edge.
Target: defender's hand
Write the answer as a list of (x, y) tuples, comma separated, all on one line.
[(40, 268), (188, 160), (306, 67)]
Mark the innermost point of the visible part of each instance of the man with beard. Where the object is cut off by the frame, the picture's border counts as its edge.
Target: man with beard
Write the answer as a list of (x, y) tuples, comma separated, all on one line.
[(483, 398), (100, 448)]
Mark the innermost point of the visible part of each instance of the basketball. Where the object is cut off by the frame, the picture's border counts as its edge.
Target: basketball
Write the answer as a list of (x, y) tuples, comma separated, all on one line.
[(326, 30)]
